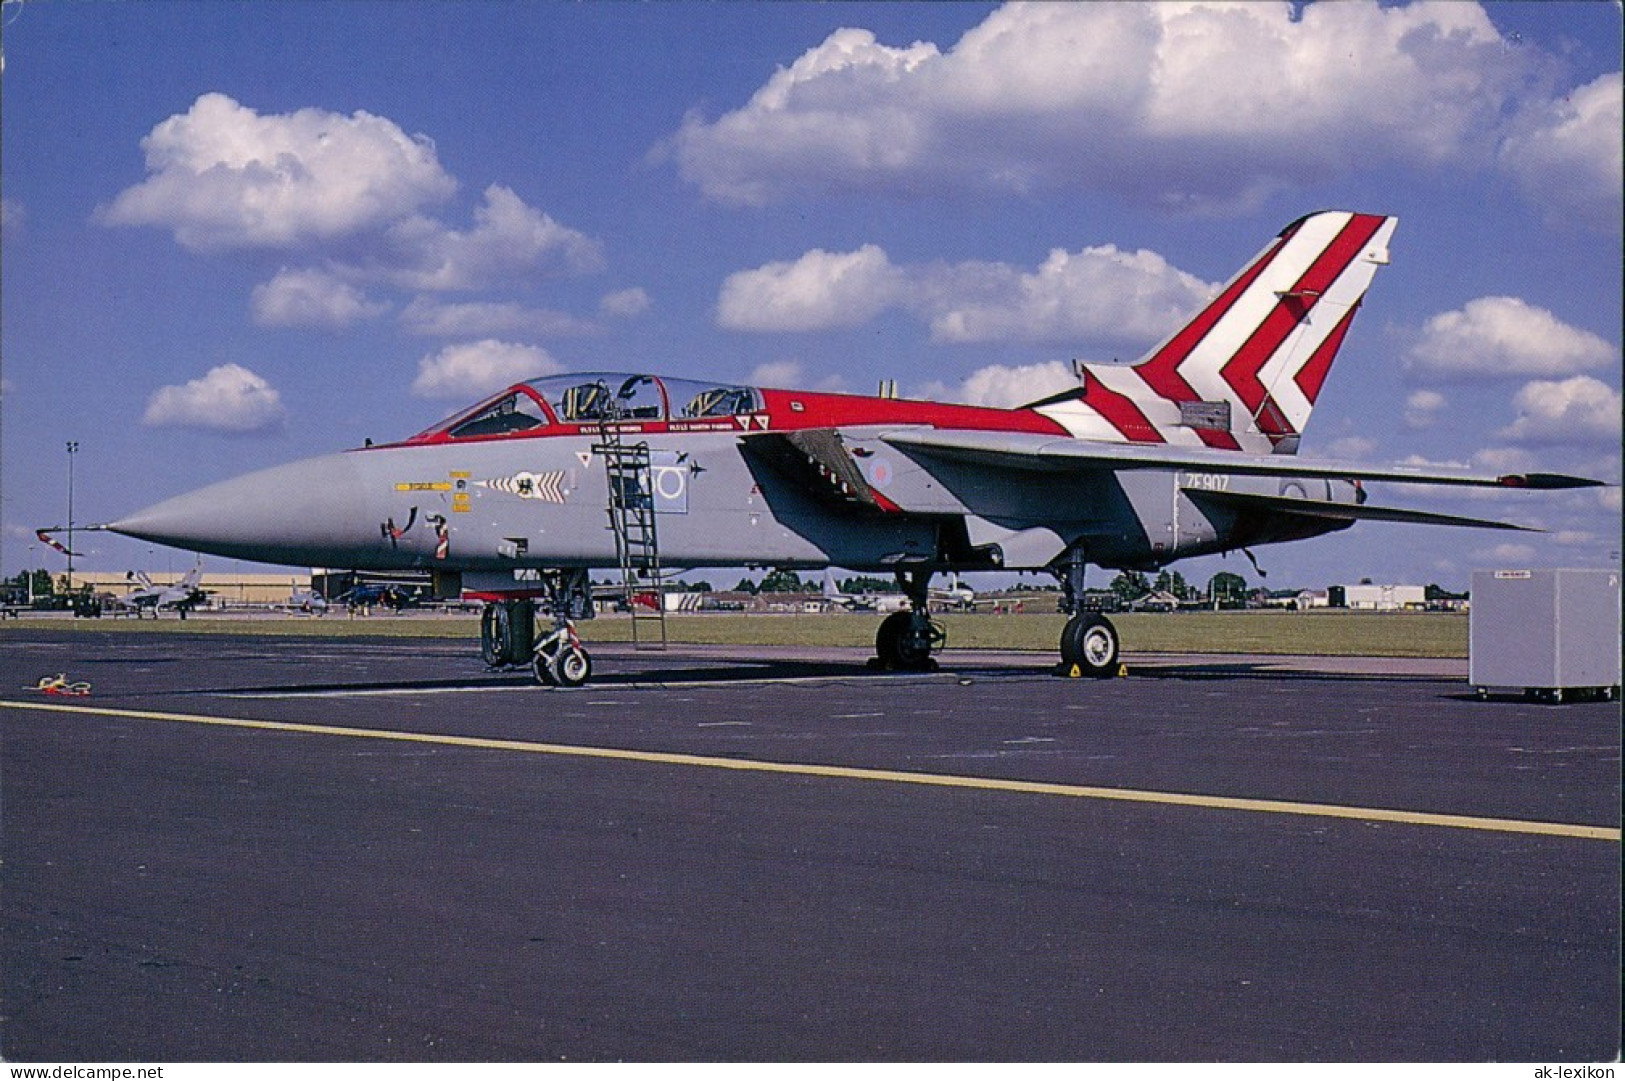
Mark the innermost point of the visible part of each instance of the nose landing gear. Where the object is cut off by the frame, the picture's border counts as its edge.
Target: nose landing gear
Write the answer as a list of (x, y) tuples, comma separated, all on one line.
[(560, 660), (508, 631)]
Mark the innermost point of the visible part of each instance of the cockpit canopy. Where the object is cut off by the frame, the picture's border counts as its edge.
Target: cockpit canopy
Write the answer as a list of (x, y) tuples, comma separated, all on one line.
[(594, 398)]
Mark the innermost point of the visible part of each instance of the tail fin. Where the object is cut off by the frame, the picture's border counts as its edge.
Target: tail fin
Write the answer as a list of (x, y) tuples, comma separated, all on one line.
[(1245, 372)]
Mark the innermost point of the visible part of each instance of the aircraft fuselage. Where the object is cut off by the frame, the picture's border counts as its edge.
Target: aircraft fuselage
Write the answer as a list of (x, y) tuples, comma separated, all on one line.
[(741, 497)]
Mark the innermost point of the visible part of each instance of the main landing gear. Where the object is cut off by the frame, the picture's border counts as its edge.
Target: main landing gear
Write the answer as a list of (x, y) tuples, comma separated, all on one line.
[(906, 640), (1089, 643), (508, 631)]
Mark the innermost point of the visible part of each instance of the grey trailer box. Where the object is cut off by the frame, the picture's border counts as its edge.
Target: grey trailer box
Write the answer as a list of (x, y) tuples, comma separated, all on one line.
[(1545, 631)]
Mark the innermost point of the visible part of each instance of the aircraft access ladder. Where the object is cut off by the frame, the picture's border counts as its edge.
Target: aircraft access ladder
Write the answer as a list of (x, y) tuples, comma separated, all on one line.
[(637, 545)]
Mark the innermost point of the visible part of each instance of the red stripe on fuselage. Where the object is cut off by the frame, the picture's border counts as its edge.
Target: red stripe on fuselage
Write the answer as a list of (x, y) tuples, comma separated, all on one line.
[(792, 409), (789, 410)]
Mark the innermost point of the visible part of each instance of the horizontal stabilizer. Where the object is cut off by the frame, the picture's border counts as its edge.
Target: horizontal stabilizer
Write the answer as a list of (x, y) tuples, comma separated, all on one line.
[(1346, 512), (1025, 450)]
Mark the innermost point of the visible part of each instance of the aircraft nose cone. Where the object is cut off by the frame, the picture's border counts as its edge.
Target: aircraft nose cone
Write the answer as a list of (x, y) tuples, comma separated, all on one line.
[(303, 513)]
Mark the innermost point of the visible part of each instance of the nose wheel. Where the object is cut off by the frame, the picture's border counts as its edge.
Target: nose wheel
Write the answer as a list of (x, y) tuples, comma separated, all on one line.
[(561, 661)]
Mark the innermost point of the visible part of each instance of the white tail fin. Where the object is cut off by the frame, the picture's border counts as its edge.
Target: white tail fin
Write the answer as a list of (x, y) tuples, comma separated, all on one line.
[(1245, 372)]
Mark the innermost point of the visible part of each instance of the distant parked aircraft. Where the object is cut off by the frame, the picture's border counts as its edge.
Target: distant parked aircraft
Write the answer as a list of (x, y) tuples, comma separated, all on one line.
[(182, 596)]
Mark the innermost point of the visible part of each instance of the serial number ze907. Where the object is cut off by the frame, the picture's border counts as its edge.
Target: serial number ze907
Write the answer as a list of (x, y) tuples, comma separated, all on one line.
[(1206, 482)]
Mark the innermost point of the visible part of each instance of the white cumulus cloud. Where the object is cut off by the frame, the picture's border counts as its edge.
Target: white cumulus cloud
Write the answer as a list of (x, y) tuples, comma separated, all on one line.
[(1568, 157), (819, 291), (1099, 293), (311, 298), (1008, 386), (229, 399), (1497, 337), (1422, 408), (624, 303), (223, 176), (1187, 106), (784, 374), (791, 375), (352, 193), (475, 368), (509, 239), (1571, 411)]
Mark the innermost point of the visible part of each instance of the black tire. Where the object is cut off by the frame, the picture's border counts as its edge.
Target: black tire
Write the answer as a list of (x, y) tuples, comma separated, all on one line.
[(495, 635), (898, 647), (508, 632), (1089, 642), (542, 667)]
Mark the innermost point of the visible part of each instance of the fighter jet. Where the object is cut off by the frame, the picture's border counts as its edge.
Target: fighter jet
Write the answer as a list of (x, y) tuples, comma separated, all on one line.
[(146, 595), (1192, 450)]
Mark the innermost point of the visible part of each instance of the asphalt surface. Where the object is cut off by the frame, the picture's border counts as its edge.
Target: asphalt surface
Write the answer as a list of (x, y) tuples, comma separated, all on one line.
[(252, 848)]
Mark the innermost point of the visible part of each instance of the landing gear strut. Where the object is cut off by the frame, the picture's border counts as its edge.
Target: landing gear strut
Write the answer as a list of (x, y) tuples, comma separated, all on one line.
[(1089, 644), (508, 631), (560, 659), (906, 640)]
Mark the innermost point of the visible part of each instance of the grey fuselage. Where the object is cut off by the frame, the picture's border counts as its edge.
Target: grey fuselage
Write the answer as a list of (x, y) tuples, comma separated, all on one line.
[(506, 505)]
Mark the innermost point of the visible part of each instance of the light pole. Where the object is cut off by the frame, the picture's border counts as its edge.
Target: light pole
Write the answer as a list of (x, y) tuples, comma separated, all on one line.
[(73, 448)]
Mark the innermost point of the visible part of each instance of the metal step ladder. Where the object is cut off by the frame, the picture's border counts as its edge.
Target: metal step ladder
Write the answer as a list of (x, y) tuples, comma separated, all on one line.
[(637, 545)]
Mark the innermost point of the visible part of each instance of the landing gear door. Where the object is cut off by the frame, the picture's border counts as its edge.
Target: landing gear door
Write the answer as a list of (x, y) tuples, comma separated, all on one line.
[(1192, 528)]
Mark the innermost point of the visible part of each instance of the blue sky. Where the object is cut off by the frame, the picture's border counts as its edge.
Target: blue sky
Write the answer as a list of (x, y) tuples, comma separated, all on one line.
[(240, 234)]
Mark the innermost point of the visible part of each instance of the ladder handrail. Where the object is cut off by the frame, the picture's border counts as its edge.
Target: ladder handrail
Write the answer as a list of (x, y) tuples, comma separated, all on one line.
[(632, 519)]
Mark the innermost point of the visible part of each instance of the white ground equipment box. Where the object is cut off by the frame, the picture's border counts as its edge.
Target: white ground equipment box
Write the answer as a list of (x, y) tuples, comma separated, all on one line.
[(1551, 633)]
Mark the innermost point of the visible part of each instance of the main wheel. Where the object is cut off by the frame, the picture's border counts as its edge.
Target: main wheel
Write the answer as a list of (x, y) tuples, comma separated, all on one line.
[(494, 635), (507, 632), (1089, 641), (570, 667)]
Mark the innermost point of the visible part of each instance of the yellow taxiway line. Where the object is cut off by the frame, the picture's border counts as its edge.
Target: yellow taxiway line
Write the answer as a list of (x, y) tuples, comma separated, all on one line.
[(852, 773)]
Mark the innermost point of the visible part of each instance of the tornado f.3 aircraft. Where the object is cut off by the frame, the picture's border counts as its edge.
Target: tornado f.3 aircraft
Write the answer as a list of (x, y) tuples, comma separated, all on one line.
[(513, 502), (182, 596)]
